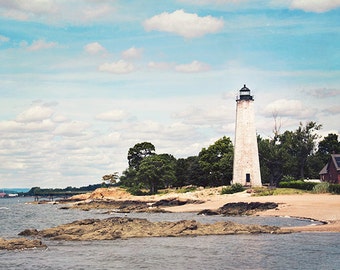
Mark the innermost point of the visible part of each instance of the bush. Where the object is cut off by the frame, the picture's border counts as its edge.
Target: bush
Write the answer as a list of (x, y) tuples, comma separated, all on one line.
[(298, 184), (321, 188), (234, 188), (334, 188)]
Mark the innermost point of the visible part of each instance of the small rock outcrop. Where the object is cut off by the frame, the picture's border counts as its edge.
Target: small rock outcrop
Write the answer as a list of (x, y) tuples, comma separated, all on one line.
[(240, 208), (20, 243), (127, 206), (117, 227)]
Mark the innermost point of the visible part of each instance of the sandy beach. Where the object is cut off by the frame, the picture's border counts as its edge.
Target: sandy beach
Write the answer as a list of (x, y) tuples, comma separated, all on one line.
[(320, 207)]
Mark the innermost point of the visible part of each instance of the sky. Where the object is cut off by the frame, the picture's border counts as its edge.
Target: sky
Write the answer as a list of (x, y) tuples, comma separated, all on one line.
[(82, 81)]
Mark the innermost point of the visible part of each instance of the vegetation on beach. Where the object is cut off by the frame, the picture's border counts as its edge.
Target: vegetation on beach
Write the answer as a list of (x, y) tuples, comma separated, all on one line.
[(234, 188), (290, 155)]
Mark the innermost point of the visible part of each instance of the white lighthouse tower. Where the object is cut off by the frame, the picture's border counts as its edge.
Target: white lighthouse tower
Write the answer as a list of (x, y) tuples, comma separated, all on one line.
[(246, 170)]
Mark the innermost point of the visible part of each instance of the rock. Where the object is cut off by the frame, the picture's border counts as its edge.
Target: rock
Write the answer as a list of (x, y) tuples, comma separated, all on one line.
[(243, 208), (208, 212), (20, 243), (127, 206), (117, 227), (29, 232), (174, 202), (240, 208)]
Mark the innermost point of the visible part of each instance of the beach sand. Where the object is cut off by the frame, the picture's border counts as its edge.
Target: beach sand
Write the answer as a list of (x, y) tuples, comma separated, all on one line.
[(319, 207)]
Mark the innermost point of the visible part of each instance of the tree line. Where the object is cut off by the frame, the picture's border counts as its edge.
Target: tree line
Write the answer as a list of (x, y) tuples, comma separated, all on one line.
[(294, 154)]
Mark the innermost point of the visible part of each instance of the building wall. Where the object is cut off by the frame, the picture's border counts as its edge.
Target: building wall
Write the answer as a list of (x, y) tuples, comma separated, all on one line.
[(333, 174), (246, 157)]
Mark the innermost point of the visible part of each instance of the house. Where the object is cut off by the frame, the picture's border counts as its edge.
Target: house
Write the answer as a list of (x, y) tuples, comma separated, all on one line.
[(331, 172)]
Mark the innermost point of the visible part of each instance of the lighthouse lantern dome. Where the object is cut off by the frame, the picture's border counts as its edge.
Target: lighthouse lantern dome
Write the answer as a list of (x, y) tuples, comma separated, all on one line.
[(245, 94)]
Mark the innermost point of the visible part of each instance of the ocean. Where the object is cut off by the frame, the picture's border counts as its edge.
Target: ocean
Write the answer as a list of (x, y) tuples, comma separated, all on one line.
[(262, 251)]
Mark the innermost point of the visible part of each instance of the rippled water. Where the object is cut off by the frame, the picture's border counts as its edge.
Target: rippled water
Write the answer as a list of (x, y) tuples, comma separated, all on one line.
[(288, 251)]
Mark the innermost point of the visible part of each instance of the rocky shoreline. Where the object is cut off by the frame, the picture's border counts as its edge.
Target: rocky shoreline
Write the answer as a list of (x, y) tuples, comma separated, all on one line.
[(123, 228), (20, 244)]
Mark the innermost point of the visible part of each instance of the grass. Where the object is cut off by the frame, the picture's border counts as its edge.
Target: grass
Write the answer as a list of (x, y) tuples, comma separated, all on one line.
[(263, 191)]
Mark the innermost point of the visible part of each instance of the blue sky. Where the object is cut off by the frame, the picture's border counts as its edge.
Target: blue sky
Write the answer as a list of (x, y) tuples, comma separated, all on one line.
[(82, 81)]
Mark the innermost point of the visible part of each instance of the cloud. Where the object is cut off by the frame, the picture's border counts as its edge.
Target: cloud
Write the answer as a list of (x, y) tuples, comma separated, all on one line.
[(317, 6), (94, 48), (132, 53), (188, 25), (3, 39), (288, 108), (333, 110), (324, 92), (160, 65), (41, 45), (114, 115), (56, 12), (119, 67), (193, 67), (34, 114), (71, 129)]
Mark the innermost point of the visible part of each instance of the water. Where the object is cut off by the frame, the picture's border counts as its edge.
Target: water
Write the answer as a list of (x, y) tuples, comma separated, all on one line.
[(288, 251)]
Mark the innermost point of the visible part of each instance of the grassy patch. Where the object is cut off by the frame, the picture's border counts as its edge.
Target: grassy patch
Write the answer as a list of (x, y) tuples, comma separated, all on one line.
[(234, 188), (263, 191)]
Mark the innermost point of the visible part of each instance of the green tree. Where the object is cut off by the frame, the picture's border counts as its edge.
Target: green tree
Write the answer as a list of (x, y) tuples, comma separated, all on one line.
[(189, 172), (271, 162), (329, 145), (300, 145), (217, 162), (155, 171), (140, 151)]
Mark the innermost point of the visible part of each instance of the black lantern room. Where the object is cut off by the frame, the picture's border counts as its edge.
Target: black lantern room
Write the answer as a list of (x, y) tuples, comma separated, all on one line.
[(245, 94)]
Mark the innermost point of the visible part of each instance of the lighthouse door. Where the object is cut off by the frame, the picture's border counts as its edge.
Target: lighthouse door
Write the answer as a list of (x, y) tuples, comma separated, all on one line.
[(248, 177)]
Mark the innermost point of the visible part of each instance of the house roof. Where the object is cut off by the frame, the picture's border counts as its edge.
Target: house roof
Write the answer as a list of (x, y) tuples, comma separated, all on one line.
[(335, 159)]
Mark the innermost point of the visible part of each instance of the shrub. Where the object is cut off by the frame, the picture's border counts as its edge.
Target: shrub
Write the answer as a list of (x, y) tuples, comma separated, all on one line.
[(321, 188), (234, 188), (298, 184), (187, 189), (334, 188)]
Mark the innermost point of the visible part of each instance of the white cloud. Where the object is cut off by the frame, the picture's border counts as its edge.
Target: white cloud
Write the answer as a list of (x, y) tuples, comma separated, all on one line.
[(194, 66), (119, 67), (71, 129), (97, 11), (324, 92), (109, 140), (36, 113), (114, 115), (318, 6), (288, 108), (56, 12), (94, 48), (132, 53), (3, 39), (188, 25), (40, 45), (160, 65)]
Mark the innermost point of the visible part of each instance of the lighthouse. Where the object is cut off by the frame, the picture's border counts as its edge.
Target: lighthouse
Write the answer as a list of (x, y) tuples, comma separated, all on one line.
[(246, 169)]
